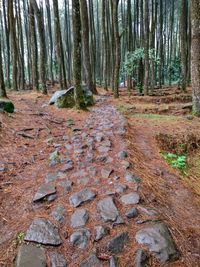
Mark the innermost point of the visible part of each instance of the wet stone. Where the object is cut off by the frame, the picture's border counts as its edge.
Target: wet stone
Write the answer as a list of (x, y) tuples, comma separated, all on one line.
[(101, 231), (59, 213), (81, 197), (44, 232), (120, 188), (44, 191), (131, 198), (107, 209), (114, 262), (131, 213), (159, 241), (66, 185), (122, 155), (51, 177), (80, 238), (106, 173), (57, 260), (31, 256), (116, 245), (141, 258), (91, 261), (79, 218)]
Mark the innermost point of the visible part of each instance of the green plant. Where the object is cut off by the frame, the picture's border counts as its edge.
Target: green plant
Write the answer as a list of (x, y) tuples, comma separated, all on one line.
[(176, 161), (19, 239)]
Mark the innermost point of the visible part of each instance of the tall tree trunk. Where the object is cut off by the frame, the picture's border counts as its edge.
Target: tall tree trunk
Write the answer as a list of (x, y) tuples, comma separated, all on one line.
[(2, 84), (183, 39), (86, 47), (115, 4), (195, 55), (146, 49), (76, 21)]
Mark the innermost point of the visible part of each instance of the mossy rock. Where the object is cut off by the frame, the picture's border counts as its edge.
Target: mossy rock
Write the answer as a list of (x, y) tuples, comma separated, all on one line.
[(6, 106)]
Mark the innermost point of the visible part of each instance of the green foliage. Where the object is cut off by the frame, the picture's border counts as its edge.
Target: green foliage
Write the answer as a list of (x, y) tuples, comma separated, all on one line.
[(176, 161), (19, 239)]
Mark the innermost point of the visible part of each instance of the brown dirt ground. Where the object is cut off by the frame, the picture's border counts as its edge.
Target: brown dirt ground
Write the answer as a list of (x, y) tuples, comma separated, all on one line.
[(176, 197)]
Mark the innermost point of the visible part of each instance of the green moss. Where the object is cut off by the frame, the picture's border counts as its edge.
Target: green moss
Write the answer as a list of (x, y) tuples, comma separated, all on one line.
[(7, 106), (154, 117)]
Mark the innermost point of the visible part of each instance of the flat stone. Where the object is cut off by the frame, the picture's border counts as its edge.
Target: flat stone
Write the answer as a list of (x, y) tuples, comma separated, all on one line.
[(141, 258), (80, 238), (51, 197), (107, 209), (148, 211), (159, 241), (81, 197), (114, 262), (101, 231), (122, 155), (44, 232), (31, 256), (44, 191), (51, 177), (131, 198), (131, 213), (116, 245), (106, 173), (57, 260), (91, 261), (79, 218), (130, 177), (59, 213), (121, 188), (67, 185)]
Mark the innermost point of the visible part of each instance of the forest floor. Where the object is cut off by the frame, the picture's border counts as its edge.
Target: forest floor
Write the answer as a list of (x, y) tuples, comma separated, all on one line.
[(162, 122)]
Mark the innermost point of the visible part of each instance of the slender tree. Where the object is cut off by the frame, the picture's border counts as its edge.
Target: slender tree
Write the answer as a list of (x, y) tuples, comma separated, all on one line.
[(195, 51), (2, 84)]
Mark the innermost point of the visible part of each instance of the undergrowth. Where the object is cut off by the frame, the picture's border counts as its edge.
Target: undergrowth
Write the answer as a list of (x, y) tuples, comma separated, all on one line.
[(176, 161)]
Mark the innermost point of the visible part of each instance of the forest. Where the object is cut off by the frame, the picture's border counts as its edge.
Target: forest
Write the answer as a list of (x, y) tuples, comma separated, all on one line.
[(99, 133)]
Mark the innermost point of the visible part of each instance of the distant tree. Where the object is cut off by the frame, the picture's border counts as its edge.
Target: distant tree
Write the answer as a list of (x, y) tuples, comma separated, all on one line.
[(195, 51)]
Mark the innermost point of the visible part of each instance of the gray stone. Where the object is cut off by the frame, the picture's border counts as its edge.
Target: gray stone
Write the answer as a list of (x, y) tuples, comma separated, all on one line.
[(121, 188), (57, 260), (44, 191), (79, 218), (119, 221), (80, 238), (81, 197), (63, 98), (159, 241), (59, 213), (92, 171), (67, 185), (106, 173), (99, 137), (148, 211), (130, 177), (30, 256), (114, 262), (51, 197), (68, 147), (116, 245), (131, 198), (91, 261), (131, 213), (141, 258), (103, 149), (44, 232), (107, 209), (101, 231), (68, 166), (6, 105), (101, 158), (51, 177), (122, 155)]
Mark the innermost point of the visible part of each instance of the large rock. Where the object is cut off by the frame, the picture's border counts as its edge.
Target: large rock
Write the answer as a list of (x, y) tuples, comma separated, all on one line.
[(159, 241), (79, 218), (44, 232), (30, 256), (6, 105), (44, 191), (81, 197), (116, 245), (107, 209), (65, 98)]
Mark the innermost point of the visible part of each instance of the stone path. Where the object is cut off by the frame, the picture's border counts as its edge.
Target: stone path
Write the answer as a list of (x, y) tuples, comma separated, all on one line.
[(96, 203)]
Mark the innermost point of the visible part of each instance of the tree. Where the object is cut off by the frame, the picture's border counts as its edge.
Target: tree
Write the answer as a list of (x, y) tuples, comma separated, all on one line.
[(76, 21), (195, 55), (86, 47), (146, 49), (2, 84)]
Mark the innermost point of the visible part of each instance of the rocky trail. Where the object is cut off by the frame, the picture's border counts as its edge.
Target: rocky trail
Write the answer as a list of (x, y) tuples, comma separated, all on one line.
[(88, 208)]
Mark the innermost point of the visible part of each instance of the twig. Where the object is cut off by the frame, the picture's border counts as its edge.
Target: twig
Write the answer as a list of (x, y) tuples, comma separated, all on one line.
[(25, 135)]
